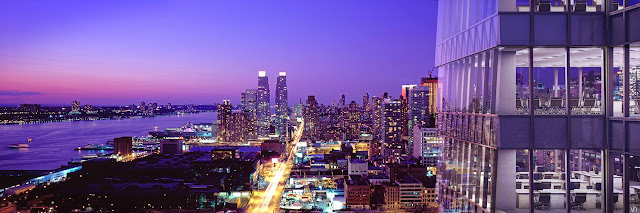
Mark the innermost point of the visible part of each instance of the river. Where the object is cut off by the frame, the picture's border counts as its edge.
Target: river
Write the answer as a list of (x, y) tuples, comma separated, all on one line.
[(53, 143)]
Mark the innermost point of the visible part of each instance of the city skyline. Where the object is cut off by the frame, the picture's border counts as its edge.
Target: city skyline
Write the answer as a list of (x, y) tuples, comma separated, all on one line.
[(203, 53)]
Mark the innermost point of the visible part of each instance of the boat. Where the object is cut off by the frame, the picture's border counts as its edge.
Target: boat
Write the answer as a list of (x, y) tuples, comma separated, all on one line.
[(20, 145)]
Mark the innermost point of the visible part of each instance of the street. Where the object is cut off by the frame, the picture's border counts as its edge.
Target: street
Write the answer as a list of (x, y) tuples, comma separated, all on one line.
[(269, 199)]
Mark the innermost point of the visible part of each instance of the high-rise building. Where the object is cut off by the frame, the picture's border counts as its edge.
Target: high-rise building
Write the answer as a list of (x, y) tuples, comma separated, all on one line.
[(392, 143), (224, 121), (392, 118), (418, 113), (343, 102), (169, 106), (419, 106), (151, 108), (526, 105), (311, 119), (123, 146), (264, 103), (404, 119), (365, 102), (432, 84), (142, 107), (282, 106), (75, 106), (426, 146), (377, 117), (366, 109), (406, 90), (249, 107), (404, 99), (351, 120), (237, 127)]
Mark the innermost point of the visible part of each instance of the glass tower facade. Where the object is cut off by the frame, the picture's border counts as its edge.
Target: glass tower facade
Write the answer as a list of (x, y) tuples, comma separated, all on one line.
[(537, 106), (282, 106), (264, 103)]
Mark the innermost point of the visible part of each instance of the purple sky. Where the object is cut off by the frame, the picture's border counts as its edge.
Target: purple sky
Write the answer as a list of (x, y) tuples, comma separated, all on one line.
[(108, 52)]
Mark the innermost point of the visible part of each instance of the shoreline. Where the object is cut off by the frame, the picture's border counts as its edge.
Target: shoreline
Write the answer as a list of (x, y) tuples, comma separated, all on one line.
[(98, 119)]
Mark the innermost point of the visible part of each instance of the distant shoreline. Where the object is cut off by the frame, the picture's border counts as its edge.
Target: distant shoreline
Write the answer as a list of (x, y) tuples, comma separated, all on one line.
[(97, 119)]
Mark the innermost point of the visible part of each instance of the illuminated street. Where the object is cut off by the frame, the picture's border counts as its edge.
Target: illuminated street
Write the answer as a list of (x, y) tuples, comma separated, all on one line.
[(262, 201)]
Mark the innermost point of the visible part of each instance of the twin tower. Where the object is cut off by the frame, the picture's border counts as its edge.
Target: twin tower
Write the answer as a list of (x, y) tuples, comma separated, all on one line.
[(263, 112)]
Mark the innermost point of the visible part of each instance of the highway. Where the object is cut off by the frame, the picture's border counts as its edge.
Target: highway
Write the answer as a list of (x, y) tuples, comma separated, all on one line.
[(268, 200)]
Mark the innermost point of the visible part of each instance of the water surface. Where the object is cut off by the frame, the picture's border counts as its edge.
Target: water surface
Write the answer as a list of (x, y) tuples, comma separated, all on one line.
[(53, 143)]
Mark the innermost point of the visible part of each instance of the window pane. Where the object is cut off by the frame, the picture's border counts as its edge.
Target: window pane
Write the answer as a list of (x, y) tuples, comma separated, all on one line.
[(618, 167), (634, 80), (522, 179), (586, 179), (634, 182), (549, 65), (586, 80), (514, 5), (587, 6), (522, 81), (549, 168), (618, 81), (550, 6)]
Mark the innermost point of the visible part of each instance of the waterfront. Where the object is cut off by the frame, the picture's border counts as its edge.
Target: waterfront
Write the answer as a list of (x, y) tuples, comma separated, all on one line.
[(53, 143)]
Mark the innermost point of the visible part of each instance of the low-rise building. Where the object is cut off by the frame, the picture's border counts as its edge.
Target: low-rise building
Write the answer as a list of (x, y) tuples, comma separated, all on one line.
[(426, 146), (407, 192), (171, 146), (375, 180), (358, 167), (357, 193), (272, 146)]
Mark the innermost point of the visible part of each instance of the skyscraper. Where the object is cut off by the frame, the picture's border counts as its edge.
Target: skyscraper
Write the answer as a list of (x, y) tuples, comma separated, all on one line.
[(526, 106), (418, 112), (432, 84), (224, 121), (311, 119), (366, 109), (249, 107), (351, 121), (392, 145), (343, 101), (237, 127), (282, 106), (406, 90), (419, 98), (264, 102), (377, 114)]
